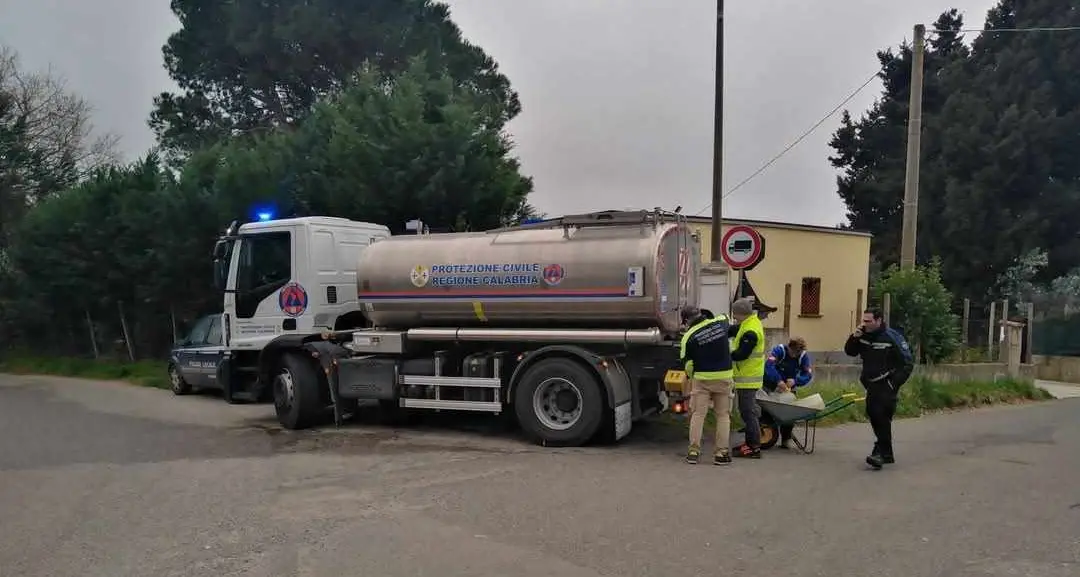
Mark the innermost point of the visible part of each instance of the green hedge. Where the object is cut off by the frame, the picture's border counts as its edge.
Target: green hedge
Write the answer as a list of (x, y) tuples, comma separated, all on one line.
[(144, 373), (918, 397)]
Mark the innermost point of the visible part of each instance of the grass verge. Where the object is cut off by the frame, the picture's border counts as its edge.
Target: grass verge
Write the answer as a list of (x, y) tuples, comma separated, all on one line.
[(918, 397), (143, 373)]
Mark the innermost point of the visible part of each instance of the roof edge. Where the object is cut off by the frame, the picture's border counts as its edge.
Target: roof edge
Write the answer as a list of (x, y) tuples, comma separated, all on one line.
[(783, 225), (763, 224)]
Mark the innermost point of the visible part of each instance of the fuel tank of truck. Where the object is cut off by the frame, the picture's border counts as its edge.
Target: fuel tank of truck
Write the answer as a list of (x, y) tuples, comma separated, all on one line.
[(592, 276)]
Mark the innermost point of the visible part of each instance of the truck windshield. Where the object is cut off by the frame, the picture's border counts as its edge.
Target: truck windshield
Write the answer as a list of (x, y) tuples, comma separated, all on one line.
[(265, 266)]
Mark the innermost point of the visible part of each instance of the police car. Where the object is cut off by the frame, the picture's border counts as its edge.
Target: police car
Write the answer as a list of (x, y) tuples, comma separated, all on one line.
[(194, 361)]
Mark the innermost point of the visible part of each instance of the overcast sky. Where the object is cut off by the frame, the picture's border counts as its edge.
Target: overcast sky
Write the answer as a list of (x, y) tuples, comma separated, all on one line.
[(617, 94)]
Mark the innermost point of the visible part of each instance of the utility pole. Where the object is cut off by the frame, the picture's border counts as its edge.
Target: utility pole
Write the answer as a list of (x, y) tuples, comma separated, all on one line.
[(715, 292), (914, 149), (718, 143)]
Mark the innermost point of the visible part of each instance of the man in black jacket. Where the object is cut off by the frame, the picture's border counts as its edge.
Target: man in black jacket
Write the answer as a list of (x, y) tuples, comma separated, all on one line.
[(887, 364), (706, 358)]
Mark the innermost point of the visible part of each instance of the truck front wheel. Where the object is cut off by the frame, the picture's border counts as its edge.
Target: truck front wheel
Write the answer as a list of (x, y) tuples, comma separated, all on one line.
[(559, 403), (297, 399)]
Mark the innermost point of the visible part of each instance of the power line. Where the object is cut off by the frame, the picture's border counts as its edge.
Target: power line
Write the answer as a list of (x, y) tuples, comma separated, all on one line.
[(851, 96), (796, 142)]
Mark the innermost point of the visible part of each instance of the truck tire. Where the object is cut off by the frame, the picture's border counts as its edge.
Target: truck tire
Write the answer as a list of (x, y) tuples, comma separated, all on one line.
[(559, 403), (297, 398)]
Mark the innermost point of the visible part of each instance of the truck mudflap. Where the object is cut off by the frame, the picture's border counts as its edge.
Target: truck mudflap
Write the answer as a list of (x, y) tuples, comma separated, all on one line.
[(624, 419), (620, 390), (327, 354)]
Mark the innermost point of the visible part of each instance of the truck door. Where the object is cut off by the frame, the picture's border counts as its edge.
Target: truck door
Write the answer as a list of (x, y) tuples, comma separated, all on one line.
[(266, 300)]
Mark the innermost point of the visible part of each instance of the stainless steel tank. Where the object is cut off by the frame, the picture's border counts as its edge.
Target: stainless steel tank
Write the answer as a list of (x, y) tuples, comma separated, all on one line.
[(619, 275)]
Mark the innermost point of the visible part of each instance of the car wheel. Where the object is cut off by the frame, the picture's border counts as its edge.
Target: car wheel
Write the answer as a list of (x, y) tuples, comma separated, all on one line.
[(179, 385)]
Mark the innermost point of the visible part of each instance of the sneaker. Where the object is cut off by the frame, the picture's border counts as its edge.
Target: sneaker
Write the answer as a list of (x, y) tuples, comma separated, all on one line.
[(723, 458), (886, 458), (875, 462), (747, 452), (692, 455)]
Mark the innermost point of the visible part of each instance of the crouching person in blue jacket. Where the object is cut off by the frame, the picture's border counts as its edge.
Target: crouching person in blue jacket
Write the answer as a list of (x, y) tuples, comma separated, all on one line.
[(787, 367)]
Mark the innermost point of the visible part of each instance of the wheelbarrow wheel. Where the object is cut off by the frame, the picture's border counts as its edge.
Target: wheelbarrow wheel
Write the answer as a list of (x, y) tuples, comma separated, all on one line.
[(770, 433)]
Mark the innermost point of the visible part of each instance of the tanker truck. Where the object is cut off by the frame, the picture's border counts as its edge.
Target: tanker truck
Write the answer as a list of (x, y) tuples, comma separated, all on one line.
[(570, 325)]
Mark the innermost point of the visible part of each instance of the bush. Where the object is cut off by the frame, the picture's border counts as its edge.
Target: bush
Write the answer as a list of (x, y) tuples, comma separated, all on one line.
[(144, 373), (920, 306)]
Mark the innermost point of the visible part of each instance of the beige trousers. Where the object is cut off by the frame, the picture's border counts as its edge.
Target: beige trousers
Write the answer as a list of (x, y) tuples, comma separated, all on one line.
[(715, 394)]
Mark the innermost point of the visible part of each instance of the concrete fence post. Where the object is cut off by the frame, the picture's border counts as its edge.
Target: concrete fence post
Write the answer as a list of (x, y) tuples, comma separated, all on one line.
[(1003, 331), (965, 323), (1030, 338)]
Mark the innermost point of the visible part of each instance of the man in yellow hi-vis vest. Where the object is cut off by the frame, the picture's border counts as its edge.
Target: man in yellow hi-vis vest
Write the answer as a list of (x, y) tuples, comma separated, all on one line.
[(706, 357), (748, 353)]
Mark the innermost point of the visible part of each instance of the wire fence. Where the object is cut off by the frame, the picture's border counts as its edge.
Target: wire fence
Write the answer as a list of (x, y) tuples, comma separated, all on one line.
[(980, 329), (1051, 326), (1056, 326)]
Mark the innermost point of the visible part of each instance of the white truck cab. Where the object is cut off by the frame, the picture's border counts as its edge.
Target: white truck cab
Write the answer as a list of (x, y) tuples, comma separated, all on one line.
[(289, 276)]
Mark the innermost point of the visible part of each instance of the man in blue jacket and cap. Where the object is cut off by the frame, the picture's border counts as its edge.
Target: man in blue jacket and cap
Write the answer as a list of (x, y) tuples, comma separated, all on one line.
[(788, 367)]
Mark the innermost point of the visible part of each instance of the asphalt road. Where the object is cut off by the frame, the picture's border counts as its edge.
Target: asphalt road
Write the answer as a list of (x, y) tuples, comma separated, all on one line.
[(111, 480)]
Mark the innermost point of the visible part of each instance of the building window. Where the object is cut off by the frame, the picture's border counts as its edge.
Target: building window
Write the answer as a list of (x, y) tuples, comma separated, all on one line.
[(810, 304)]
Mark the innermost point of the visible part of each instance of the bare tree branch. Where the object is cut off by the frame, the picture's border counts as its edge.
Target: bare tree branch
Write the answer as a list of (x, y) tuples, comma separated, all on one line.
[(58, 123)]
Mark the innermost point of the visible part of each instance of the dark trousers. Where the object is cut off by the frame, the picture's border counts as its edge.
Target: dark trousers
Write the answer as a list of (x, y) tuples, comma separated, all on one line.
[(786, 431), (881, 400), (748, 410)]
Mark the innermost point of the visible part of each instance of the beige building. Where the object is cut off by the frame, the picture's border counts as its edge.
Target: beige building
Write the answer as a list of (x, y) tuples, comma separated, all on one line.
[(825, 271)]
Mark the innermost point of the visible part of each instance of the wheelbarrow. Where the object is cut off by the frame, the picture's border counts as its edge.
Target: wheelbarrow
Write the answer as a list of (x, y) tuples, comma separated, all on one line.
[(775, 414)]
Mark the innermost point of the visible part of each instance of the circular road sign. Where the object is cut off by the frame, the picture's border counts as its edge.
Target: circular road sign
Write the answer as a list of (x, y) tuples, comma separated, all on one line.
[(742, 247)]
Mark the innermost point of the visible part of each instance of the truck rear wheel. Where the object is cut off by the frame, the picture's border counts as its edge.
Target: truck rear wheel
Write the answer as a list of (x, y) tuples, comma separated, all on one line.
[(297, 399), (558, 403)]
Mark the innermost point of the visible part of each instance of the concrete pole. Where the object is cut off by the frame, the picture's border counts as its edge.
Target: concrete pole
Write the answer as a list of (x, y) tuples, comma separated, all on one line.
[(914, 149), (718, 144), (715, 275)]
